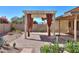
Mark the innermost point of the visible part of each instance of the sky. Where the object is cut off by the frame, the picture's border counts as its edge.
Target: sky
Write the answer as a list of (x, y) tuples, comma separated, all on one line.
[(11, 11)]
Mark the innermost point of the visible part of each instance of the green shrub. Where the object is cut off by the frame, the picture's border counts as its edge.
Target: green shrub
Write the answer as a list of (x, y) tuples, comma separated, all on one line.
[(50, 48), (45, 49), (72, 47), (13, 29)]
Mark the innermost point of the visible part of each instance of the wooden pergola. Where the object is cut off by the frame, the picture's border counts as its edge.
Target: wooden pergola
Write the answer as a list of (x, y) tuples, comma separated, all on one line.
[(73, 17), (44, 14)]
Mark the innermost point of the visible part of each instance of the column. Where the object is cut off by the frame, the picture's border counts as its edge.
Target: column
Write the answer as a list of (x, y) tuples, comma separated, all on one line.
[(59, 27), (75, 28), (49, 22), (29, 23), (25, 18), (54, 24)]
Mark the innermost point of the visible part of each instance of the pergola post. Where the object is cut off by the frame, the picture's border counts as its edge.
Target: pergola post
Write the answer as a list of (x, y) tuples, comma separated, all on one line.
[(49, 21), (25, 18), (29, 23), (49, 34), (75, 28), (54, 24), (59, 27)]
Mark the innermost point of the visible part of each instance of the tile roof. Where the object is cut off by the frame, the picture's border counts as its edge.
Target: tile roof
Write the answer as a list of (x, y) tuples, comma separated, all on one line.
[(73, 10)]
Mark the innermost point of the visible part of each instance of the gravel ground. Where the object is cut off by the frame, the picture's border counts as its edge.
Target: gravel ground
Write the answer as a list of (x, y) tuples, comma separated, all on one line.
[(33, 43), (11, 36)]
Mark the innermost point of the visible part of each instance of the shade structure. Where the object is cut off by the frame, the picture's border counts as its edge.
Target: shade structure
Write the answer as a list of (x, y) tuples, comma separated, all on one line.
[(44, 14)]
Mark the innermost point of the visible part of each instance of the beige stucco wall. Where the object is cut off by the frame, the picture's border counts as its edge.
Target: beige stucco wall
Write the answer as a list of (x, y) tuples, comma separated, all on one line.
[(39, 27), (64, 26), (5, 28), (43, 27), (72, 30), (19, 26), (36, 27), (56, 26)]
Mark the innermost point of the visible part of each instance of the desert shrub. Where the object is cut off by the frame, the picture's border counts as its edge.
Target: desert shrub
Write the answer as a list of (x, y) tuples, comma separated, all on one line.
[(72, 47), (13, 29), (45, 48), (50, 48)]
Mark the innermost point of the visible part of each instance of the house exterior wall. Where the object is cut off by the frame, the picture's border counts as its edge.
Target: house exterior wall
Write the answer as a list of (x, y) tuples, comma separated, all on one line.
[(56, 26), (72, 30), (64, 26)]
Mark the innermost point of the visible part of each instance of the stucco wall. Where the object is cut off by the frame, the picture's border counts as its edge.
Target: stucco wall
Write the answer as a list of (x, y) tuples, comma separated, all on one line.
[(35, 28), (64, 26), (38, 27), (43, 27), (72, 30), (56, 26), (5, 28), (19, 26)]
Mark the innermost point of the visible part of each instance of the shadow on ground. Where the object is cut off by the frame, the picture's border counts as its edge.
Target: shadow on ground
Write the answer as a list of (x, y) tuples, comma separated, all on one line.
[(62, 39)]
